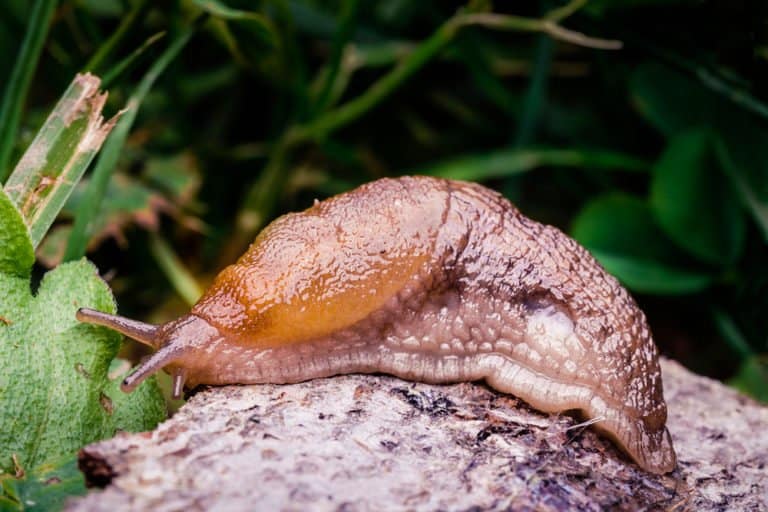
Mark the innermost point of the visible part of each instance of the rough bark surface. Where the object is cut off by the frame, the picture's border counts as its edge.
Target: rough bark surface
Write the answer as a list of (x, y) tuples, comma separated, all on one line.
[(371, 442)]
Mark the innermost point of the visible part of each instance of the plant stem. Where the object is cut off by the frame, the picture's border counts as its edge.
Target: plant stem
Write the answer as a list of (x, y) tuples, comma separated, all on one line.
[(18, 83), (547, 26), (178, 275)]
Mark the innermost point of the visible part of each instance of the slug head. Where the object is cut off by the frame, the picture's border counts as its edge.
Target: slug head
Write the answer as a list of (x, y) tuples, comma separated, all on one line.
[(177, 342)]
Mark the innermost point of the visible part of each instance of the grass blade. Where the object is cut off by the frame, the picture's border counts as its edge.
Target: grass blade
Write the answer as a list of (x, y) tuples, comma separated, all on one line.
[(127, 25), (59, 155), (127, 62), (89, 208), (18, 83), (181, 279), (347, 19), (535, 97), (731, 333), (260, 25), (510, 162)]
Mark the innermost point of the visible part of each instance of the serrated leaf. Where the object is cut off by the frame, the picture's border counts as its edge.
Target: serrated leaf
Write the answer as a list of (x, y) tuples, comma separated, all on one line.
[(620, 232), (693, 201), (54, 389), (137, 411), (16, 253)]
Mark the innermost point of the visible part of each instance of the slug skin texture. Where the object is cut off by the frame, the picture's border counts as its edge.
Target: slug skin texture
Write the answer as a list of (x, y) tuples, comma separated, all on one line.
[(430, 280)]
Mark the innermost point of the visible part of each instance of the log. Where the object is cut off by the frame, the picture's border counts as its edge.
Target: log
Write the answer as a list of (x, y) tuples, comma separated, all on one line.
[(374, 442)]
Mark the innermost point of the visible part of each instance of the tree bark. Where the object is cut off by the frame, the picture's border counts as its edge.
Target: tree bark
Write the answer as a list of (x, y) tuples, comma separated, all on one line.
[(373, 442)]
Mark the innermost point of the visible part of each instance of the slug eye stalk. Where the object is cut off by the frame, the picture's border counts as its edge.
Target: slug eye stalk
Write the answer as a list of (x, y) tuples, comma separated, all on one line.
[(147, 334), (139, 331), (172, 340)]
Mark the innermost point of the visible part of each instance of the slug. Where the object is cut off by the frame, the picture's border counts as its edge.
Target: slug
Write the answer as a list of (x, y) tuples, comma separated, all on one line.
[(426, 279)]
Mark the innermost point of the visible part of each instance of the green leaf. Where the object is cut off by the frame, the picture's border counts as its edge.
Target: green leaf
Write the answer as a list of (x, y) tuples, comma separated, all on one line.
[(723, 94), (55, 395), (16, 253), (671, 101), (45, 489), (620, 232), (694, 203), (103, 8), (128, 62), (126, 201), (59, 155), (675, 103), (138, 411), (743, 154), (510, 162), (328, 75), (176, 175)]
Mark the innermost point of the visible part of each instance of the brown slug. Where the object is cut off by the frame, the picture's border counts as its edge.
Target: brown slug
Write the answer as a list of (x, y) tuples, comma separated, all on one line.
[(431, 280)]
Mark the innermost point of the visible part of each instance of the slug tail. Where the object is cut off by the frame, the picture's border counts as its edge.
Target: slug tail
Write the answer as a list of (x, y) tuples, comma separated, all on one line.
[(139, 331), (653, 451), (649, 445)]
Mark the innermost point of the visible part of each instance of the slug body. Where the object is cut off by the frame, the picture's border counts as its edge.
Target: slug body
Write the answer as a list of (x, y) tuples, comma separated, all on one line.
[(430, 280)]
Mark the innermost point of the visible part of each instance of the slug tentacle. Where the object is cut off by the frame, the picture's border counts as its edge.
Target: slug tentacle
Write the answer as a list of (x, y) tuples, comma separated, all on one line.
[(182, 342), (139, 331), (179, 375), (158, 360), (174, 340)]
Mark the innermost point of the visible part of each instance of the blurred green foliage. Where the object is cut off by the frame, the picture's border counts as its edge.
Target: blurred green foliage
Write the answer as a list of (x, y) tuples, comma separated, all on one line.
[(654, 156)]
